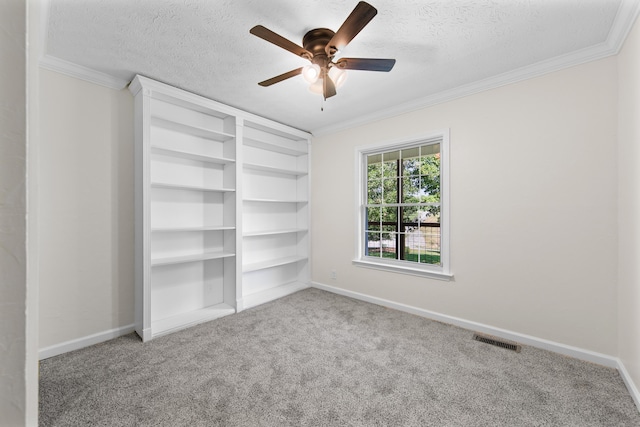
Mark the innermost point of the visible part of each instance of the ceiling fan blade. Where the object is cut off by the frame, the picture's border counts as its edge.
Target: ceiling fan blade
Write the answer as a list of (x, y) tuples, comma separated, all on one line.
[(328, 88), (278, 40), (367, 64), (281, 77), (359, 18)]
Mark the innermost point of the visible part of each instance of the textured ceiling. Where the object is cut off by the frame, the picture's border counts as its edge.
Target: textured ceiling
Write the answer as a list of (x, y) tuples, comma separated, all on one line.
[(204, 46)]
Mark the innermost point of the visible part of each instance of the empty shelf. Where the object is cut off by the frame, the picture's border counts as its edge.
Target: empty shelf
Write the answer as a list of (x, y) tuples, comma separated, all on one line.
[(190, 258), (272, 263)]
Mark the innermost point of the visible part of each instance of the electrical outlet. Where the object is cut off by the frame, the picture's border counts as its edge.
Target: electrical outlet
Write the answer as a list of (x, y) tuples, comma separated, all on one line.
[(334, 275)]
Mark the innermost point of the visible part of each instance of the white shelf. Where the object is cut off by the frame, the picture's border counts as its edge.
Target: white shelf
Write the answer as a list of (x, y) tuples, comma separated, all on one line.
[(275, 232), (190, 187), (191, 156), (283, 171), (272, 263), (253, 200), (199, 131), (275, 147), (190, 258), (198, 228), (181, 321)]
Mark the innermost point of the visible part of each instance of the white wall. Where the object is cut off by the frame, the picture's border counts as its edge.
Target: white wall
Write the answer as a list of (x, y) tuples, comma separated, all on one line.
[(533, 208), (85, 209), (13, 211), (33, 119), (629, 204)]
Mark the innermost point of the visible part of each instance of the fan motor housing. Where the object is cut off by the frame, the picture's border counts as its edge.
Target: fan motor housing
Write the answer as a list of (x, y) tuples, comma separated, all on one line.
[(316, 40)]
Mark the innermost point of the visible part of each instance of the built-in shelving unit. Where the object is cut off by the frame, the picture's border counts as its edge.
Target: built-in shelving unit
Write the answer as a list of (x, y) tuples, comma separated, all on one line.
[(186, 213), (222, 209), (275, 213)]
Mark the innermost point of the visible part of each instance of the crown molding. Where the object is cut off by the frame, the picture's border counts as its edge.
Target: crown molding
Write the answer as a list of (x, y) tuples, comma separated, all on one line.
[(78, 71), (625, 18)]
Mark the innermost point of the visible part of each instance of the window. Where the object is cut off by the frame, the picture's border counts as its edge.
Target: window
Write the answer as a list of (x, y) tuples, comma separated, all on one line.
[(403, 206)]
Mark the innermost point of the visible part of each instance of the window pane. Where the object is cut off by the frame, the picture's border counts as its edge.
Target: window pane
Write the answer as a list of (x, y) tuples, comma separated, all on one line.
[(389, 216), (430, 150), (410, 153), (430, 258), (411, 245), (411, 161), (430, 186), (374, 170), (391, 156), (430, 246), (390, 164), (374, 179), (423, 245), (374, 191), (430, 214), (389, 245), (373, 219), (372, 244), (411, 190), (374, 159), (430, 172), (390, 190), (410, 217)]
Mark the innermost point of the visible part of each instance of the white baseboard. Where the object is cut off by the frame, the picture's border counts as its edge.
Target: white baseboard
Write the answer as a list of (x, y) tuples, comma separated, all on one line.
[(78, 343), (567, 350), (628, 381)]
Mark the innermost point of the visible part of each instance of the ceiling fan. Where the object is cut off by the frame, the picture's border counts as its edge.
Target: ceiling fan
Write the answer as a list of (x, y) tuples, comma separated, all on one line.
[(320, 46)]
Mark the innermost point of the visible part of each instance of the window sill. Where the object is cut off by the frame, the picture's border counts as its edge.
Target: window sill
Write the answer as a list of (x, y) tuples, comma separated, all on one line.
[(395, 268)]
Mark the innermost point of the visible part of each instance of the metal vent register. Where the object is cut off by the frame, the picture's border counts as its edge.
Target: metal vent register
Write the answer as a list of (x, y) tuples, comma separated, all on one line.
[(497, 342)]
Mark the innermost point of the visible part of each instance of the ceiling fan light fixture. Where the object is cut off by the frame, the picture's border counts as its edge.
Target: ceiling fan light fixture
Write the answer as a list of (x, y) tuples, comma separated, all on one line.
[(311, 73), (316, 87), (338, 75), (321, 46)]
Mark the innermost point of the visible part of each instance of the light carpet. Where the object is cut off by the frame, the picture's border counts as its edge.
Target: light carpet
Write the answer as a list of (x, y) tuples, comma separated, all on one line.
[(315, 358)]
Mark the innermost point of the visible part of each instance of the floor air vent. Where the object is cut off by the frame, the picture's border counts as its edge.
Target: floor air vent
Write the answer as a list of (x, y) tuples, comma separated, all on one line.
[(497, 342)]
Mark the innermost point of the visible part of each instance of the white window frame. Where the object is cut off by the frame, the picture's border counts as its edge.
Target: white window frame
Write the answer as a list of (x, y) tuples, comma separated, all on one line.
[(441, 272)]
